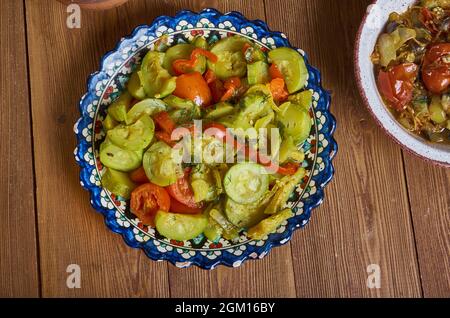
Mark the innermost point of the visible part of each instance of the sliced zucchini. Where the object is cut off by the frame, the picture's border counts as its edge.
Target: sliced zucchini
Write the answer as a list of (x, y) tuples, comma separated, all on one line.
[(203, 183), (231, 60), (159, 166), (149, 106), (114, 157), (258, 73), (292, 65), (136, 136), (180, 227), (182, 51), (220, 110), (118, 182), (243, 215), (246, 182), (156, 80), (294, 121), (303, 99)]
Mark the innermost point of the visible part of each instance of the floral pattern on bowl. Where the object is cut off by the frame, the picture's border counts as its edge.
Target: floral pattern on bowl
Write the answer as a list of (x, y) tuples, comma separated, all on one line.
[(104, 86)]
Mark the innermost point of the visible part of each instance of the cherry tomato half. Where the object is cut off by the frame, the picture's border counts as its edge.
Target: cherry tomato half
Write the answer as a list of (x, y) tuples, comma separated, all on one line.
[(396, 84), (193, 86), (435, 71)]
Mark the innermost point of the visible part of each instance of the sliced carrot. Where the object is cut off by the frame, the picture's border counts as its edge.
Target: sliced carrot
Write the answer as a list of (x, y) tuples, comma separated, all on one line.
[(278, 90), (231, 86), (164, 122), (275, 72)]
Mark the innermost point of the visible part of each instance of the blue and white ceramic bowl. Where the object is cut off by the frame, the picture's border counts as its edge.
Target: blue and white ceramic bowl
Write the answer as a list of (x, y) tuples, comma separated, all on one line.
[(105, 85)]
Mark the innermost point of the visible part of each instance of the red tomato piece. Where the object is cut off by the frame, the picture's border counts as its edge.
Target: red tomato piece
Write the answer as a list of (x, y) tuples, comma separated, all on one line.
[(146, 200), (182, 191), (178, 207), (139, 176)]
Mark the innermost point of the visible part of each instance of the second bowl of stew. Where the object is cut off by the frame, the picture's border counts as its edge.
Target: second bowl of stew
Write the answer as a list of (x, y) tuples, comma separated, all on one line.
[(403, 72)]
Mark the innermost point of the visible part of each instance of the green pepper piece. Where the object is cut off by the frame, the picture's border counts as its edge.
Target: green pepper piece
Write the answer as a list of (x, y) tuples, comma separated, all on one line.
[(179, 103), (220, 110), (230, 232), (289, 151), (200, 42), (437, 113), (213, 230)]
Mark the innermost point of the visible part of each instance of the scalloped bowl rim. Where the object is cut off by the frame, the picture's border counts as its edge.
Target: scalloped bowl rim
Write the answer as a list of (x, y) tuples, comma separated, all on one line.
[(228, 260)]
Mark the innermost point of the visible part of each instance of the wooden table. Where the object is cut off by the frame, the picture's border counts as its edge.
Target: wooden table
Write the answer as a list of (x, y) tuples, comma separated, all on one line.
[(383, 207)]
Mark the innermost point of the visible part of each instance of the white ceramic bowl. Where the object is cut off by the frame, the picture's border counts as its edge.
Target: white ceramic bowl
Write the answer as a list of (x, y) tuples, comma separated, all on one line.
[(372, 25)]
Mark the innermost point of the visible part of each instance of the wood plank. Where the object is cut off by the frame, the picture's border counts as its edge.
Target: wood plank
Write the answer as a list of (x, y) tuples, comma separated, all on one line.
[(18, 249), (271, 277), (430, 205), (365, 218), (70, 230)]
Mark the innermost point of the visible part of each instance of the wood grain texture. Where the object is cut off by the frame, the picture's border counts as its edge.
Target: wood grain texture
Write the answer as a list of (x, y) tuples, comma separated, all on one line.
[(18, 250), (430, 206), (365, 218), (71, 231)]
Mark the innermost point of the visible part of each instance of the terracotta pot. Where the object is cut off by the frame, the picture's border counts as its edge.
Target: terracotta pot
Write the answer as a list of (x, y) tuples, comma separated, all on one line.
[(96, 4)]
